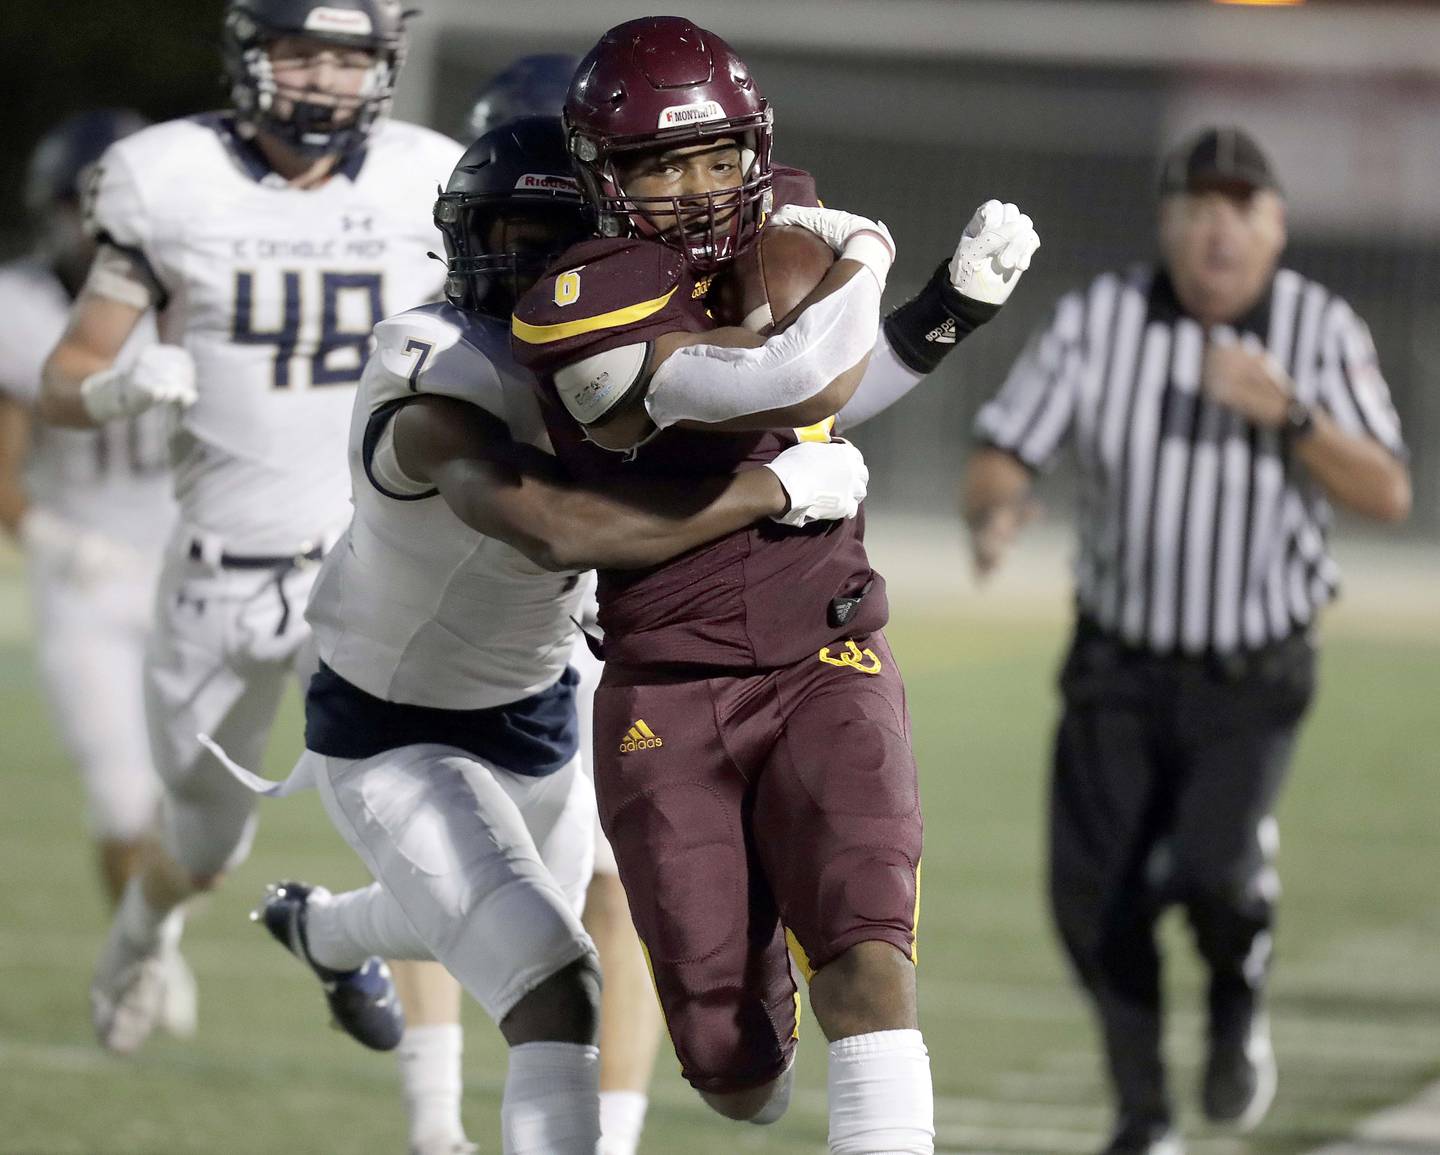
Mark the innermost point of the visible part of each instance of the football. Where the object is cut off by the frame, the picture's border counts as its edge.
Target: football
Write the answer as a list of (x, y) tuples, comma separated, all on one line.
[(763, 285)]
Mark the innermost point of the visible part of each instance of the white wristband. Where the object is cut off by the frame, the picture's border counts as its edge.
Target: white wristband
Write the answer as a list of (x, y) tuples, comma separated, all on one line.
[(875, 252)]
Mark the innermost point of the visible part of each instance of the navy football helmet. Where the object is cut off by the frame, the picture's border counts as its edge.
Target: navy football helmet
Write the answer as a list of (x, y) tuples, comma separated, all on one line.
[(309, 126), (511, 208), (56, 177), (529, 86), (64, 156)]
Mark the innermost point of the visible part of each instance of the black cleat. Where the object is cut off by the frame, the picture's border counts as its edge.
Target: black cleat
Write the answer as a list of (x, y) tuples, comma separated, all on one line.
[(1240, 1073), (1144, 1139), (362, 1001)]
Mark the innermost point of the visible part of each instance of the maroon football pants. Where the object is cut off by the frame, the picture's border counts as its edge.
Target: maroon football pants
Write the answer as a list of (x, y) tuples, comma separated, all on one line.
[(743, 805)]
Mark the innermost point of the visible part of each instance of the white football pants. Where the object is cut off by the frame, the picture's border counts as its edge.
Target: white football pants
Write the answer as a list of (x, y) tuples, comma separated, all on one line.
[(90, 648), (225, 643), (489, 868), (590, 668)]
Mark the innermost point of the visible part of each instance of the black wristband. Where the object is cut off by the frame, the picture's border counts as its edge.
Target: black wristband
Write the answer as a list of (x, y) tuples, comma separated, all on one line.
[(934, 321)]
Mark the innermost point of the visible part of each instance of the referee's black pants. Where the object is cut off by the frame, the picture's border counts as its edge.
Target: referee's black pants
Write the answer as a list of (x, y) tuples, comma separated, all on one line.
[(1165, 775)]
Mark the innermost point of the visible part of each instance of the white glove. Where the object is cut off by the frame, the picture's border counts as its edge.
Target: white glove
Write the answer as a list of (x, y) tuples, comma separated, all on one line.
[(78, 555), (994, 250), (825, 481), (855, 238), (160, 375)]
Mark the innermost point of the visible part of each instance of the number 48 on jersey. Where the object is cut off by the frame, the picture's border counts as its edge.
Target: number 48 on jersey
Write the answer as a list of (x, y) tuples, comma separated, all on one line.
[(318, 322)]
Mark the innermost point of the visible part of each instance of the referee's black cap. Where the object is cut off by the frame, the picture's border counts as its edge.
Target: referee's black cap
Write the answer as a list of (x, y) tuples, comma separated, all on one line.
[(1219, 157)]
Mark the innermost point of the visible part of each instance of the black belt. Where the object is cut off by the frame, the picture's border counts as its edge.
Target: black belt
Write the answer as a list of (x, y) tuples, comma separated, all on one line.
[(252, 561), (280, 564)]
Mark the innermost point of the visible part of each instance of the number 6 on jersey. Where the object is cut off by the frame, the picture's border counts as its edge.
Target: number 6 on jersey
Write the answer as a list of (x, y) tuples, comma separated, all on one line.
[(567, 287)]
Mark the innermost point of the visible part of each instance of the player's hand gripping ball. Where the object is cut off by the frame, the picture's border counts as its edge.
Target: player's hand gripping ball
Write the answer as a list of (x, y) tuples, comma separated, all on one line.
[(854, 237), (763, 285)]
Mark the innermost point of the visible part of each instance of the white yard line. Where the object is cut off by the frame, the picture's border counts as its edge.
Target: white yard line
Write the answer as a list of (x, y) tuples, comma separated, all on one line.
[(1412, 1128)]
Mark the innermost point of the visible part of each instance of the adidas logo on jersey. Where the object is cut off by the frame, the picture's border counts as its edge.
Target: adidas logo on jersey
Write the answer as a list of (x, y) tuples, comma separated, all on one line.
[(639, 737), (942, 334)]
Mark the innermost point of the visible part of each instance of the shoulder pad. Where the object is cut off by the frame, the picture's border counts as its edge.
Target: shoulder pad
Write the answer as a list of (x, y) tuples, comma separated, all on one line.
[(603, 294), (112, 201), (794, 186), (441, 350)]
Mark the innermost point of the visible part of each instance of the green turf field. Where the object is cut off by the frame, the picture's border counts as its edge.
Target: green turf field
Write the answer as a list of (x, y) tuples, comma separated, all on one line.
[(1357, 993)]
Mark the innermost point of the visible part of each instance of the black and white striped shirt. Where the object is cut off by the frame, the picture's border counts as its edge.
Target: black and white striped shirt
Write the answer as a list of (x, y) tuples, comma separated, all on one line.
[(1198, 531)]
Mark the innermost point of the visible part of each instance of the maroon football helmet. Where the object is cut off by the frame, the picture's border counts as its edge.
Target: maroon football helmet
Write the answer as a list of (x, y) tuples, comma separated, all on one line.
[(661, 82)]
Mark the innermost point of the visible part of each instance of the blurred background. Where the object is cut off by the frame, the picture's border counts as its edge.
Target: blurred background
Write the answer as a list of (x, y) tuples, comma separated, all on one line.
[(917, 110), (914, 111)]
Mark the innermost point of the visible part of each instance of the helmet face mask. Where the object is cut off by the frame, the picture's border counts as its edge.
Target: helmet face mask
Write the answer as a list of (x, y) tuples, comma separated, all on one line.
[(509, 211), (312, 121), (659, 84), (498, 249)]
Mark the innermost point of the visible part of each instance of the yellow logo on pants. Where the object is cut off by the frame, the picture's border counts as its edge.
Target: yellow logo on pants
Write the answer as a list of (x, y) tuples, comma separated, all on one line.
[(639, 737), (852, 657)]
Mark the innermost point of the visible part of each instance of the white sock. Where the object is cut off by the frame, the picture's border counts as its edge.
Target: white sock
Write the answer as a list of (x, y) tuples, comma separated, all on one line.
[(429, 1062), (622, 1117), (881, 1102), (141, 924), (170, 928), (552, 1100), (343, 930)]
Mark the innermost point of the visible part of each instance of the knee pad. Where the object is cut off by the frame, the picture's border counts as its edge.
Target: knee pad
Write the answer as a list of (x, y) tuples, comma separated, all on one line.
[(760, 1106), (511, 940), (779, 1101)]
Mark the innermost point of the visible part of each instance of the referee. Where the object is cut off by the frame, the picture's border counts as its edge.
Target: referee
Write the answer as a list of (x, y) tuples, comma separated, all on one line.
[(1217, 405)]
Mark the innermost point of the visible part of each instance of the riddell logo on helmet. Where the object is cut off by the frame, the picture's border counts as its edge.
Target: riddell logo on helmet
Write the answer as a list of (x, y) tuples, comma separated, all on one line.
[(533, 180), (678, 114), (343, 20)]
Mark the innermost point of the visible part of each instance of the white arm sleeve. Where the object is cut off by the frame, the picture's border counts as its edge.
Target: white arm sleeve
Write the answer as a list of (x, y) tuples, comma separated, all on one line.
[(886, 380), (385, 472), (711, 384)]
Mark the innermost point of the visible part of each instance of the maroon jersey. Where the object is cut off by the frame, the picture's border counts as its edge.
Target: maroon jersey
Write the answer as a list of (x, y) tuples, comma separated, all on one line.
[(762, 597)]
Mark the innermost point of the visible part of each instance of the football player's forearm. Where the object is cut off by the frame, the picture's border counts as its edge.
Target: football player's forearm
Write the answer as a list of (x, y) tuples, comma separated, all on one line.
[(100, 324), (558, 526), (813, 410), (14, 444), (797, 377), (645, 524), (887, 380), (60, 401)]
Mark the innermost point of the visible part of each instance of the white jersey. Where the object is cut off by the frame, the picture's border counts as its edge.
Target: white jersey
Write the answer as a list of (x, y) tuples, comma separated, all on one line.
[(274, 291), (113, 480), (413, 606)]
